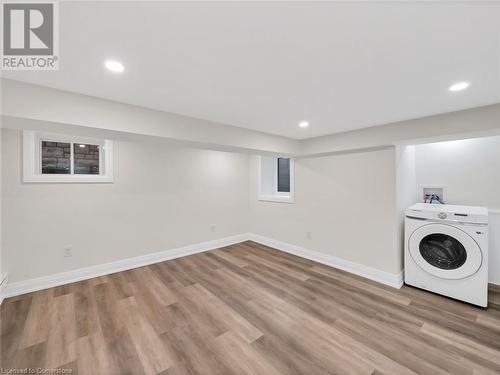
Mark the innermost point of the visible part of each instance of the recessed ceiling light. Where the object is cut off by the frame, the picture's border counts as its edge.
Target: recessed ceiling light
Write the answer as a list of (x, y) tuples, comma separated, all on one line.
[(459, 86), (303, 124), (114, 66)]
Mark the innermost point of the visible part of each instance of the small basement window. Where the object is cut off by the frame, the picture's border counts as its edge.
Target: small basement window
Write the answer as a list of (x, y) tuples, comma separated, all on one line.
[(276, 179), (56, 158)]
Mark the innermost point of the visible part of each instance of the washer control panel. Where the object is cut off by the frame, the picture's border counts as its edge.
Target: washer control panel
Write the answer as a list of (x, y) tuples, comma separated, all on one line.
[(448, 213)]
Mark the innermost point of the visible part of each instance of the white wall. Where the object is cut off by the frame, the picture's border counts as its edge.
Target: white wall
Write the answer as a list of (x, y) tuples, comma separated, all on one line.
[(347, 202), (167, 196), (406, 181), (163, 197), (494, 248), (469, 172), (1, 263)]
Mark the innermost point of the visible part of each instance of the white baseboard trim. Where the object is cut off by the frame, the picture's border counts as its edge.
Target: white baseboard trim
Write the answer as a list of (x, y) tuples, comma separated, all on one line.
[(391, 279), (50, 281), (3, 281)]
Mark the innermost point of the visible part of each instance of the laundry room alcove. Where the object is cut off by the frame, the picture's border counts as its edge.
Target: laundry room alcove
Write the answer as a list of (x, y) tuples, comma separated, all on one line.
[(459, 172)]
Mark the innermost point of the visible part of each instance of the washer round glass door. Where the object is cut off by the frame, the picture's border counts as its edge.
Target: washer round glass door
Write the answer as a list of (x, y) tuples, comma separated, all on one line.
[(445, 251)]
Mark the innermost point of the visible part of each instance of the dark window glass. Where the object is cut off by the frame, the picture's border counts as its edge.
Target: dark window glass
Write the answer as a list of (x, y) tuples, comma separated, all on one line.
[(443, 251), (56, 157), (284, 175), (86, 158)]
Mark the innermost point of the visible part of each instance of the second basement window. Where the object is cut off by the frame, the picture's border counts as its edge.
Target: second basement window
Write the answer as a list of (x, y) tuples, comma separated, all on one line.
[(276, 179), (283, 175)]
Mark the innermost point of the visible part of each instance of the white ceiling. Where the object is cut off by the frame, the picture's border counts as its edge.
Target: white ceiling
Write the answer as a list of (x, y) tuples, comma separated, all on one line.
[(267, 66)]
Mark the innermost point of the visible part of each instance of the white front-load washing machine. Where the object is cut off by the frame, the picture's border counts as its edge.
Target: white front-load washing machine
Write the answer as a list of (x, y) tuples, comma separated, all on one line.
[(446, 250)]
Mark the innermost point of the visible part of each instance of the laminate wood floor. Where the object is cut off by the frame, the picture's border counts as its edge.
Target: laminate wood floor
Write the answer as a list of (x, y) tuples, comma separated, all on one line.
[(247, 309)]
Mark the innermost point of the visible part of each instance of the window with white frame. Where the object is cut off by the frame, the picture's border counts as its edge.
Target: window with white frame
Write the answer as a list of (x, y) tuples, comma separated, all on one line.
[(49, 157), (276, 179)]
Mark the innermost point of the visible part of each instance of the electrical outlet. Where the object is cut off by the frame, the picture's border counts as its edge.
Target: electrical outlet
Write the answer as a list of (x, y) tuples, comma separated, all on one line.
[(68, 251), (309, 235), (213, 228)]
